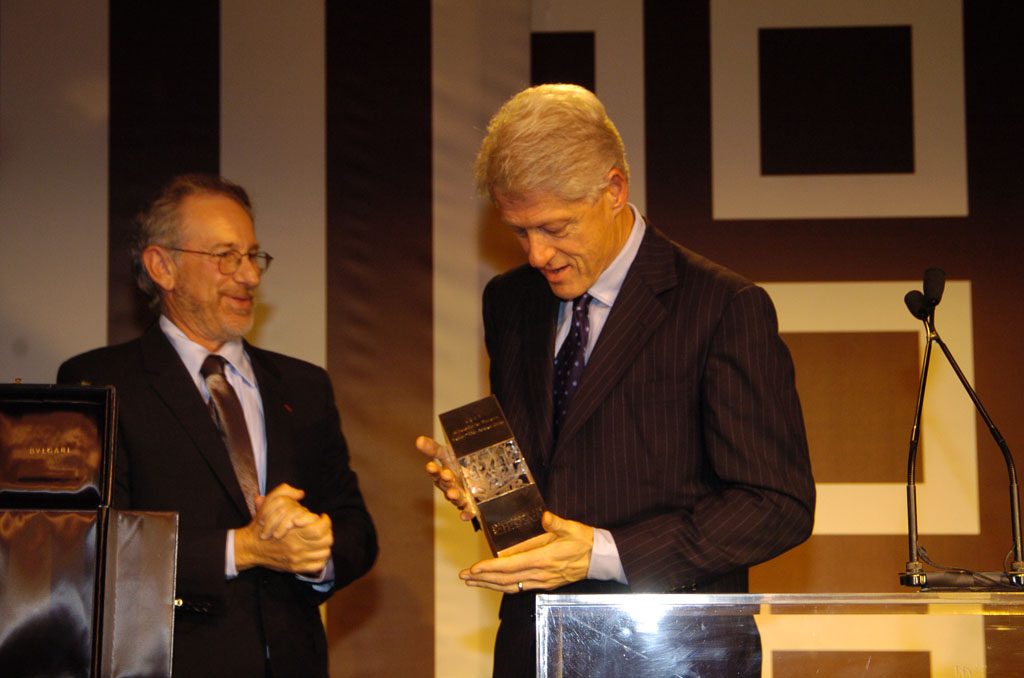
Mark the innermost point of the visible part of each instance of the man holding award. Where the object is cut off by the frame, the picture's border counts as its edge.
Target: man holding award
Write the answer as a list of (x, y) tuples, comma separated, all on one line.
[(645, 386)]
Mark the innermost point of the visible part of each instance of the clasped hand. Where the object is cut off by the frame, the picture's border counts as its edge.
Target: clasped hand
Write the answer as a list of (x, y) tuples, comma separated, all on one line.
[(284, 535), (558, 557)]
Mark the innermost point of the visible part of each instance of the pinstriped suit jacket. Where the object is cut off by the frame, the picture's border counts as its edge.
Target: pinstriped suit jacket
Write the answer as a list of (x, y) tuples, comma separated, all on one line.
[(685, 438)]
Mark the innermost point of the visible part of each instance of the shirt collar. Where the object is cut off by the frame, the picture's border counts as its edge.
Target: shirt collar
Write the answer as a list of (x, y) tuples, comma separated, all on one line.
[(193, 355), (606, 288)]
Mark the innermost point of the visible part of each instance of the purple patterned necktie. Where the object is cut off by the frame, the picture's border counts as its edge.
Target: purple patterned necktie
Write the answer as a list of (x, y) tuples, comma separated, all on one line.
[(571, 360), (226, 410)]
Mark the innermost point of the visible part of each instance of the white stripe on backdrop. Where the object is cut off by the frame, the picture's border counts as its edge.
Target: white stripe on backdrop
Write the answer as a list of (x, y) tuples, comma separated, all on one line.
[(53, 183), (272, 136), (473, 72)]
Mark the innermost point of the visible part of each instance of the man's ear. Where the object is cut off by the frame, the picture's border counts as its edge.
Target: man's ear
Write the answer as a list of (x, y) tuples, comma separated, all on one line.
[(618, 189), (160, 266)]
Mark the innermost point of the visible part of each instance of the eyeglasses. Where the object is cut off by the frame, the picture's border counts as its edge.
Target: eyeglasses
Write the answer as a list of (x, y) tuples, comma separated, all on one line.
[(228, 262)]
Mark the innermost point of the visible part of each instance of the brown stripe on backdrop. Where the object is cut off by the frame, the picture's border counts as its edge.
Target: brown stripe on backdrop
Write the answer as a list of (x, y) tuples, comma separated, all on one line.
[(379, 326), (164, 120)]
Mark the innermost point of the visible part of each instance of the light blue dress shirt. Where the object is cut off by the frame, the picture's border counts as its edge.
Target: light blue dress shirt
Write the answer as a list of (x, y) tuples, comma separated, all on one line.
[(240, 375), (605, 563)]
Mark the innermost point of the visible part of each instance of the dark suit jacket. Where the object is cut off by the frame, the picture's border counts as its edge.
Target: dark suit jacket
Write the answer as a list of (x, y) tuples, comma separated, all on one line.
[(685, 438), (170, 457)]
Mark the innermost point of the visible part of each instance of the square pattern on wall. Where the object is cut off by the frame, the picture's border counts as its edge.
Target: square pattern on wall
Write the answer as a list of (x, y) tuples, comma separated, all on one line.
[(881, 184), (562, 57), (857, 391), (947, 490), (836, 100), (905, 645)]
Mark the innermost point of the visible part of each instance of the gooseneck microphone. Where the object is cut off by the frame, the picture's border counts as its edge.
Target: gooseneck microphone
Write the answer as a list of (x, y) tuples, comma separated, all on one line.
[(922, 306), (916, 304), (934, 285)]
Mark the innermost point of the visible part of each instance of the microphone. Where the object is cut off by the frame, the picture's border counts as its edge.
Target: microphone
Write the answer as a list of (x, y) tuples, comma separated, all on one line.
[(917, 304), (934, 285), (922, 306)]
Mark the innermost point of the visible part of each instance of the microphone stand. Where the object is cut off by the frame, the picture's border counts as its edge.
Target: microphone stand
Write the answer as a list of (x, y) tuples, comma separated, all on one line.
[(914, 575)]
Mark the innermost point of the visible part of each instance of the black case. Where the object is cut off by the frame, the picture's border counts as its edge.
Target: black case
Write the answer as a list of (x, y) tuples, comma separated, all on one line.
[(85, 590)]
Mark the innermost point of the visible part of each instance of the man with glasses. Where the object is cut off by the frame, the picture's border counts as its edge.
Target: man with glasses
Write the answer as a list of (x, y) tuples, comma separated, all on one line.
[(244, 444)]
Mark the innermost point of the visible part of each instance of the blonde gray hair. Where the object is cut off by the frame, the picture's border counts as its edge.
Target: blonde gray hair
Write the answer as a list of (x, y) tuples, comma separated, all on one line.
[(556, 139)]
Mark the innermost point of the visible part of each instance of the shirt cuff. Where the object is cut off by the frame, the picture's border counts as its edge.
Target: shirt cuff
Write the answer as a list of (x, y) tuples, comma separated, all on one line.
[(324, 581), (230, 571), (605, 564)]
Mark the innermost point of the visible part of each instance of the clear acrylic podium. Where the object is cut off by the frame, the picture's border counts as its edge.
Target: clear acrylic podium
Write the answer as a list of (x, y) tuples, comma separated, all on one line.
[(959, 635)]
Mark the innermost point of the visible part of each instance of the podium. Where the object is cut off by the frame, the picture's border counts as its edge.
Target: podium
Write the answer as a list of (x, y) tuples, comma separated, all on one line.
[(782, 635), (85, 589)]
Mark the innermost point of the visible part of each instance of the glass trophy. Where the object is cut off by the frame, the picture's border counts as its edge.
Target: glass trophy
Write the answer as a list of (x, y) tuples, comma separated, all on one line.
[(485, 456)]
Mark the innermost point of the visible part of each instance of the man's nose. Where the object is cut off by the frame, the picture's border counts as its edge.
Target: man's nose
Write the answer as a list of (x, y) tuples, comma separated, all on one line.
[(248, 273), (538, 249)]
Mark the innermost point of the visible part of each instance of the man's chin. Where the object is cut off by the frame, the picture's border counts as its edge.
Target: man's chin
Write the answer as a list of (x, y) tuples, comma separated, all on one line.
[(240, 325), (565, 291)]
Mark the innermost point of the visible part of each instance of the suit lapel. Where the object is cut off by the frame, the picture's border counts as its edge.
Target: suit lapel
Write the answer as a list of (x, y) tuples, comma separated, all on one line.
[(537, 341), (527, 329), (635, 316), (275, 417), (177, 390)]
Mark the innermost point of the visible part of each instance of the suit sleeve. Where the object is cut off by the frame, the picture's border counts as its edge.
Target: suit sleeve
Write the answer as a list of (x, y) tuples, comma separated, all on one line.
[(337, 494), (490, 330), (761, 498)]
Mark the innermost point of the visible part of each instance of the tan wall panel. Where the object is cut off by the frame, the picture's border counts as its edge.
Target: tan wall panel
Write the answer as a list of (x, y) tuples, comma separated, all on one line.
[(858, 392)]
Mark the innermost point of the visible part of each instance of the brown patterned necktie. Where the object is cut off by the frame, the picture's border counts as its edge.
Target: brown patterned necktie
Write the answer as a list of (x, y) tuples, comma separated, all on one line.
[(226, 410)]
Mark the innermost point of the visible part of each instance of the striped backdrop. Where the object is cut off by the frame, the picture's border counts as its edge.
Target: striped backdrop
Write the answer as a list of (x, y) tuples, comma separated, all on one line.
[(354, 126)]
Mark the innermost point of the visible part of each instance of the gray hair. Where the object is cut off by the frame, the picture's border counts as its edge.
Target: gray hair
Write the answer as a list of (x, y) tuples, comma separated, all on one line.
[(160, 223), (553, 138)]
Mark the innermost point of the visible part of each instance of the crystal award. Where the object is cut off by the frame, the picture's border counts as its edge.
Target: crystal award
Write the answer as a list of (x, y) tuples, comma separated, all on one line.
[(485, 456)]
